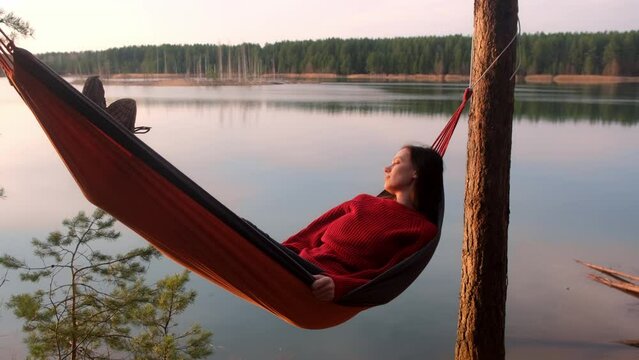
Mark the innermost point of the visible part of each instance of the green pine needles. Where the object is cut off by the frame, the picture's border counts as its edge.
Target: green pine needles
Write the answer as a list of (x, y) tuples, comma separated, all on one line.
[(158, 338), (16, 24), (95, 305)]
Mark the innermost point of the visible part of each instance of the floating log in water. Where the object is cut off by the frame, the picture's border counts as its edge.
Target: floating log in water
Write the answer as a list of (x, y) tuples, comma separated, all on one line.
[(628, 288), (618, 280), (622, 282), (612, 273)]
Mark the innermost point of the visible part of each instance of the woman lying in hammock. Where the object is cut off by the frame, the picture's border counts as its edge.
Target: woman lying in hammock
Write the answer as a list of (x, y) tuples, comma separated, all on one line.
[(356, 241)]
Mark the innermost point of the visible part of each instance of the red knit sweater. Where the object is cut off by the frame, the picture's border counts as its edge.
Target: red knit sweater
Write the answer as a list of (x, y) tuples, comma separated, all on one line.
[(361, 238)]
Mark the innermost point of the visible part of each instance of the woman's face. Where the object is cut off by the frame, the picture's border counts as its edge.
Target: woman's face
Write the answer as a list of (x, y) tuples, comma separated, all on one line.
[(400, 174)]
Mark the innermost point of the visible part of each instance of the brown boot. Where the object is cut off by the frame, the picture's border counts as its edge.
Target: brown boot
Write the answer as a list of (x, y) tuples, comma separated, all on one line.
[(124, 112), (94, 90)]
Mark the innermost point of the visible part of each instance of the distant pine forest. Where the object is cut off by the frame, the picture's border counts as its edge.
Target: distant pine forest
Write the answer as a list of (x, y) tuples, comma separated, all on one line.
[(605, 53)]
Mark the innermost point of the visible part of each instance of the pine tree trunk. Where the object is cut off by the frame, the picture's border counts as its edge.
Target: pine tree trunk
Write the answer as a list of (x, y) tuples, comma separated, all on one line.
[(165, 65), (220, 67), (482, 310), (230, 67), (74, 323)]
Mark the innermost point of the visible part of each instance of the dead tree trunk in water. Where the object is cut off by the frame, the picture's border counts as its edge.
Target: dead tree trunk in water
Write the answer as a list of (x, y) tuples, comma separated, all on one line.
[(482, 309)]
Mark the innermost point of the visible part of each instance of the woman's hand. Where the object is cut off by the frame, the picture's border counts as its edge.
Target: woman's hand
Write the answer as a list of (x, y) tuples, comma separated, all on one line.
[(323, 288)]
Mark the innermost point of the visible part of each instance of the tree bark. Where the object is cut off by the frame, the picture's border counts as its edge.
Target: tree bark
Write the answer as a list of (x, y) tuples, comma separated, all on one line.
[(482, 309)]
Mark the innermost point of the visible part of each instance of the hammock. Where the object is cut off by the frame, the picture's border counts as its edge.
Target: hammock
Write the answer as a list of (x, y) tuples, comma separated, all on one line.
[(120, 174)]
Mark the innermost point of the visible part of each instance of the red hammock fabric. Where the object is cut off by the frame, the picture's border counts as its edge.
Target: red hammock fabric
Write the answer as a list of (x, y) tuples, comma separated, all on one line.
[(441, 143), (126, 185), (165, 216)]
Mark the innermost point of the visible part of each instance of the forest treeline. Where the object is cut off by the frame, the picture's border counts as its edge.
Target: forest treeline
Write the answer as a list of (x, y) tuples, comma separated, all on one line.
[(604, 53)]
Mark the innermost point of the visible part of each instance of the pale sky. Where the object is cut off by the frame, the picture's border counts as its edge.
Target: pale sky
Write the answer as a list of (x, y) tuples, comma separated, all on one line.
[(67, 25)]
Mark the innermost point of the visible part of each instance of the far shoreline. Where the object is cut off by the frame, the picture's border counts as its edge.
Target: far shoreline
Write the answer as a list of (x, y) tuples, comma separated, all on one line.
[(274, 79)]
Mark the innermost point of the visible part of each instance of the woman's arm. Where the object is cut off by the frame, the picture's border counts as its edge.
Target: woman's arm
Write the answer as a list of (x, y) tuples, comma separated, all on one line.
[(311, 234)]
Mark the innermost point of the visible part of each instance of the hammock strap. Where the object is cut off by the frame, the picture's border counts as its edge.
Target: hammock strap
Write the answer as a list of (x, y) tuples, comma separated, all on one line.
[(141, 129), (6, 49), (441, 143)]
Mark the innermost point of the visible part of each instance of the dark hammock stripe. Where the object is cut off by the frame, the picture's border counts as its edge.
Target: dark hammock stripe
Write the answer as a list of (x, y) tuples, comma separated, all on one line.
[(126, 187), (98, 117), (195, 230)]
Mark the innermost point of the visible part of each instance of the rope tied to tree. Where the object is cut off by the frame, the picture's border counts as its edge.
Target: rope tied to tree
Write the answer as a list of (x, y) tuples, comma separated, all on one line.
[(492, 64), (441, 143)]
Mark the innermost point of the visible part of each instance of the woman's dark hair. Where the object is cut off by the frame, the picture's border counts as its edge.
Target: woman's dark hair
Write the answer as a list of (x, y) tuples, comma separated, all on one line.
[(427, 193)]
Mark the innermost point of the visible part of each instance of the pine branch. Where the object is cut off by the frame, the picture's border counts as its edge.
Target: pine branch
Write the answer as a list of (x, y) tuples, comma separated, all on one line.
[(18, 25), (4, 278), (136, 253), (95, 290)]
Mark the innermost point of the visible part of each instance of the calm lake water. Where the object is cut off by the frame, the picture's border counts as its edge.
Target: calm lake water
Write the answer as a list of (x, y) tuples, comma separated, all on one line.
[(281, 155)]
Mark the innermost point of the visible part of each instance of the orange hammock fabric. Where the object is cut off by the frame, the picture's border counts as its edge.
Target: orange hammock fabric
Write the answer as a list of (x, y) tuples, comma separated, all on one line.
[(120, 174)]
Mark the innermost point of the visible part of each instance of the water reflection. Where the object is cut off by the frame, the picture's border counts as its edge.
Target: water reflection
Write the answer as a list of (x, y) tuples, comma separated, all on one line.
[(595, 104), (277, 156)]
